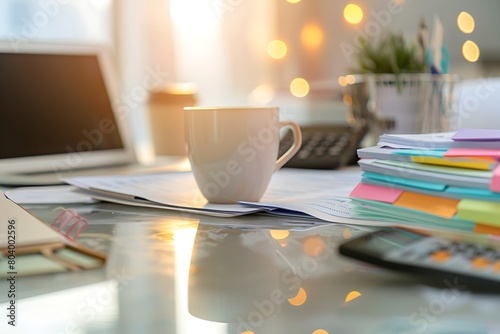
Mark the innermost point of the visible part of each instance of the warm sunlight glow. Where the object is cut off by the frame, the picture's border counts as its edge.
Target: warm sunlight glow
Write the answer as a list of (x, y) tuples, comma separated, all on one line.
[(261, 95), (352, 295), (299, 87), (184, 321), (314, 246), (276, 49), (320, 331), (299, 299), (465, 22), (247, 332), (279, 234), (353, 14), (311, 36), (470, 51), (191, 14), (293, 1)]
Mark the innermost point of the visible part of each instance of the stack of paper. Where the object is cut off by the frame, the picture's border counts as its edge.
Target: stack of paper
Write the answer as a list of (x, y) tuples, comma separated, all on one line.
[(447, 180)]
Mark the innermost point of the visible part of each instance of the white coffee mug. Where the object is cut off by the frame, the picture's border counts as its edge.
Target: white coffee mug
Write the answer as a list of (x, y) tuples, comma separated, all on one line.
[(233, 151)]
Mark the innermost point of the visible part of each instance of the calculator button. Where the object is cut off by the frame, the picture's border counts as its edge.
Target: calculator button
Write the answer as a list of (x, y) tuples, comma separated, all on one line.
[(480, 262), (458, 247), (303, 154), (490, 254), (441, 256), (319, 151), (496, 266), (332, 137), (333, 151), (471, 253), (319, 141)]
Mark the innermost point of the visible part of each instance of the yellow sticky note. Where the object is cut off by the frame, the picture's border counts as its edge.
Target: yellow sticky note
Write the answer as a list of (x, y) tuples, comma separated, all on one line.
[(439, 206), (481, 165)]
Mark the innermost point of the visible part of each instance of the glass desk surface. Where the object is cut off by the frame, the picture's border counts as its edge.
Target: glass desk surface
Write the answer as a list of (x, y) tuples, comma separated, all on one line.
[(169, 272)]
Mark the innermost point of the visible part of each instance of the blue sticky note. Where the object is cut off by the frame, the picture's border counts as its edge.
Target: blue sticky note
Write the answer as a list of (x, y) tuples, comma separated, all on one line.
[(422, 153), (474, 193), (405, 182)]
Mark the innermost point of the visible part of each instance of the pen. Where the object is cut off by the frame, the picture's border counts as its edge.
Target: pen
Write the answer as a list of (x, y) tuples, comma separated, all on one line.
[(437, 45), (423, 38)]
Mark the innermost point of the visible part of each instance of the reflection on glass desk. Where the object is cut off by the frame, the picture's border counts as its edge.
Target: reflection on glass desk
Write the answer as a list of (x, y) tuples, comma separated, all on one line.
[(170, 272)]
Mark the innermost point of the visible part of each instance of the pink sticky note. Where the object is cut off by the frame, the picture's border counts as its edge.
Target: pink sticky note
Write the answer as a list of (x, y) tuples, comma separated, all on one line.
[(376, 193), (473, 152), (495, 180)]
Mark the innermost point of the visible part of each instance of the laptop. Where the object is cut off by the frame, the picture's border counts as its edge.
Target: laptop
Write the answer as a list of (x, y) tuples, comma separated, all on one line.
[(58, 115)]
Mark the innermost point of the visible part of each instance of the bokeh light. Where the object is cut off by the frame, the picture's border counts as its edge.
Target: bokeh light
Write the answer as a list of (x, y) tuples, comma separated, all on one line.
[(352, 295), (299, 299), (353, 14), (279, 234), (347, 99), (299, 87), (470, 51), (342, 81), (347, 233), (311, 36), (465, 22), (277, 49), (314, 246), (320, 331), (350, 79)]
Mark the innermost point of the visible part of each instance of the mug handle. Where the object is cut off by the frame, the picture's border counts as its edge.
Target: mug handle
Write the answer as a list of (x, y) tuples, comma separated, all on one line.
[(297, 142)]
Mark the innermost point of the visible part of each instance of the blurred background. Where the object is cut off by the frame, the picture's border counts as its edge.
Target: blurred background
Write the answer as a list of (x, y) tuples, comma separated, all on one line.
[(291, 53)]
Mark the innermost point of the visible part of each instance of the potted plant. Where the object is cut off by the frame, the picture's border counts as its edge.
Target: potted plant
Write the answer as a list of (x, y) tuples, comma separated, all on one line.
[(390, 54), (393, 91)]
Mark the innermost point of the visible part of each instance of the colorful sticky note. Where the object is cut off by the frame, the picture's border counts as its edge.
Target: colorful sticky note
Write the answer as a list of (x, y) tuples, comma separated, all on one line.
[(376, 193), (486, 229), (481, 165), (479, 211), (476, 135), (421, 153), (439, 206), (474, 193), (404, 181), (473, 152), (495, 180)]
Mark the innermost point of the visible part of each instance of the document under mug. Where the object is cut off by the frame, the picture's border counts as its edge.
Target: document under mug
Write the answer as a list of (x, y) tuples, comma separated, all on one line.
[(233, 151)]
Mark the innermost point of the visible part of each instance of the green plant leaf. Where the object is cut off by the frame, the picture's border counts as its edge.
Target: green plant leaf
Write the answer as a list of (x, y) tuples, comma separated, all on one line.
[(389, 54)]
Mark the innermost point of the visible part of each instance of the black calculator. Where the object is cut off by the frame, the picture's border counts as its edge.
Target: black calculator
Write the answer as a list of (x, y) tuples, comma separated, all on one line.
[(448, 261), (324, 147)]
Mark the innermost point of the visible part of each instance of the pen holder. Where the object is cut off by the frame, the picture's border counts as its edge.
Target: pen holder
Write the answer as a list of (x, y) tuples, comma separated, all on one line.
[(403, 103)]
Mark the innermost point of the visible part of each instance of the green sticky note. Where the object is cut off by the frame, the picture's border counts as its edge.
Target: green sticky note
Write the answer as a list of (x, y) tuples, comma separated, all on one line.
[(479, 211)]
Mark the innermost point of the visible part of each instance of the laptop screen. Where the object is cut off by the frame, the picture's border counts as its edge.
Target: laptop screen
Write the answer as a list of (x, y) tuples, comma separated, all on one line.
[(54, 104), (58, 111)]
